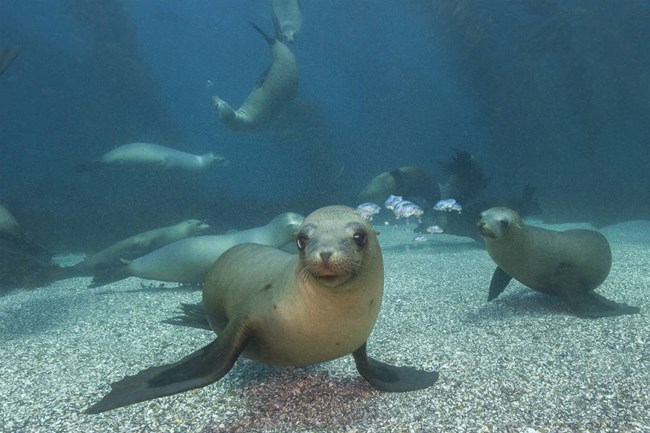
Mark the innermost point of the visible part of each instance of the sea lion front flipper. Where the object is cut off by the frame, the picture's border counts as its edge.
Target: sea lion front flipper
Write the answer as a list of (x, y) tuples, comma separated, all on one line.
[(498, 284), (390, 378), (591, 305), (198, 369)]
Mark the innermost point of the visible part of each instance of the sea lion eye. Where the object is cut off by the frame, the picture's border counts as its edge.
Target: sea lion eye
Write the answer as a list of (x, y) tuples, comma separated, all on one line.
[(504, 223), (301, 241), (360, 238)]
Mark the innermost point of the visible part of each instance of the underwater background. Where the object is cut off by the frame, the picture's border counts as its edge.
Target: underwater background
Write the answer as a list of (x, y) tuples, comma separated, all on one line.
[(539, 105), (549, 93)]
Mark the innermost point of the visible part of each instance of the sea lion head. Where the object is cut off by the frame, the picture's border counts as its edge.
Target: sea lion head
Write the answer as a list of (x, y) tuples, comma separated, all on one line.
[(333, 243), (211, 160), (498, 222), (195, 226), (284, 226)]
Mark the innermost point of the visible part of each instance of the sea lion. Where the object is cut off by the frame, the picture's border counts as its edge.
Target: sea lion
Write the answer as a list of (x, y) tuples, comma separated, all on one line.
[(569, 264), (287, 19), (9, 224), (11, 231), (464, 177), (286, 309), (153, 156), (275, 88), (138, 245), (411, 182), (7, 56), (188, 260)]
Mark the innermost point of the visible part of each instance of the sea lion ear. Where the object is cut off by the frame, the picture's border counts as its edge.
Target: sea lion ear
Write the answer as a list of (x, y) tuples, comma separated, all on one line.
[(377, 232)]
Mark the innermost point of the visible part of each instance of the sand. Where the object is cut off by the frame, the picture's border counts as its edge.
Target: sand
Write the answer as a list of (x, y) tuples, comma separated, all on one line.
[(522, 363)]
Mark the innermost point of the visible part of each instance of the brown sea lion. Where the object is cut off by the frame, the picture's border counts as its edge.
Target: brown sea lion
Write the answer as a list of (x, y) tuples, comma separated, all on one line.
[(286, 309), (569, 264), (275, 88), (411, 182)]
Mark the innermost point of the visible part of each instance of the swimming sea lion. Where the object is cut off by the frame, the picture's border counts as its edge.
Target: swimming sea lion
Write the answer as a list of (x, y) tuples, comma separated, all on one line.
[(274, 89), (11, 231), (188, 260), (569, 264), (8, 223), (287, 19), (285, 309), (411, 182), (154, 156), (138, 245), (7, 56)]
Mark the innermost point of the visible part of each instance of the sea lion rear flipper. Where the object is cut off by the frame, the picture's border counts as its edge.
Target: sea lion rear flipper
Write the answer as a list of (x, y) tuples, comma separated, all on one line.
[(591, 305), (390, 378), (198, 369), (106, 273), (498, 284)]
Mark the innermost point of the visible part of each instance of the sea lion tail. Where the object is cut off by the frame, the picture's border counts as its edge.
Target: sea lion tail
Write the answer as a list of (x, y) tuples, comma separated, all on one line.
[(109, 273), (269, 39), (191, 315)]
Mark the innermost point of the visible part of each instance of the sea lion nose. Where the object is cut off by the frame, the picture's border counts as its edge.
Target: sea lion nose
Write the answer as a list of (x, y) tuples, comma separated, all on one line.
[(325, 255)]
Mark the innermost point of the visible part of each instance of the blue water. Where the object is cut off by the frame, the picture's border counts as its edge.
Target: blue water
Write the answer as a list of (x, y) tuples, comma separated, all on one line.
[(548, 93)]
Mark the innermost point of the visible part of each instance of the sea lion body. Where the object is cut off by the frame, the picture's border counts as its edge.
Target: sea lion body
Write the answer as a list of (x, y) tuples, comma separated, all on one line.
[(154, 156), (411, 182), (284, 309), (20, 242), (188, 260), (309, 321), (569, 264), (287, 19), (7, 56), (138, 245), (275, 88), (9, 224)]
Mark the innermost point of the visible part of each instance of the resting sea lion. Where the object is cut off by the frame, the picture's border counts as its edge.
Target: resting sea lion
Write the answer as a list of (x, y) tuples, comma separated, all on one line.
[(274, 89), (569, 264), (188, 260), (287, 19), (411, 182), (153, 156), (285, 309), (138, 245)]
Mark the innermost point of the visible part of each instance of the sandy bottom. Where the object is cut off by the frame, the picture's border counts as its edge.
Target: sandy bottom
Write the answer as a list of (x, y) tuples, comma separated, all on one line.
[(522, 363)]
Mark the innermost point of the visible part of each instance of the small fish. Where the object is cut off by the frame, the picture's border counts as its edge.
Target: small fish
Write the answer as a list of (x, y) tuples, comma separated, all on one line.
[(448, 205), (434, 229), (418, 239), (392, 201), (406, 209), (367, 210)]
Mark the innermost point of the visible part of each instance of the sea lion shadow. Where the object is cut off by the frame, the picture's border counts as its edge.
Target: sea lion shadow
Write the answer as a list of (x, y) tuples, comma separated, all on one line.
[(298, 398), (520, 304), (158, 287), (34, 316)]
